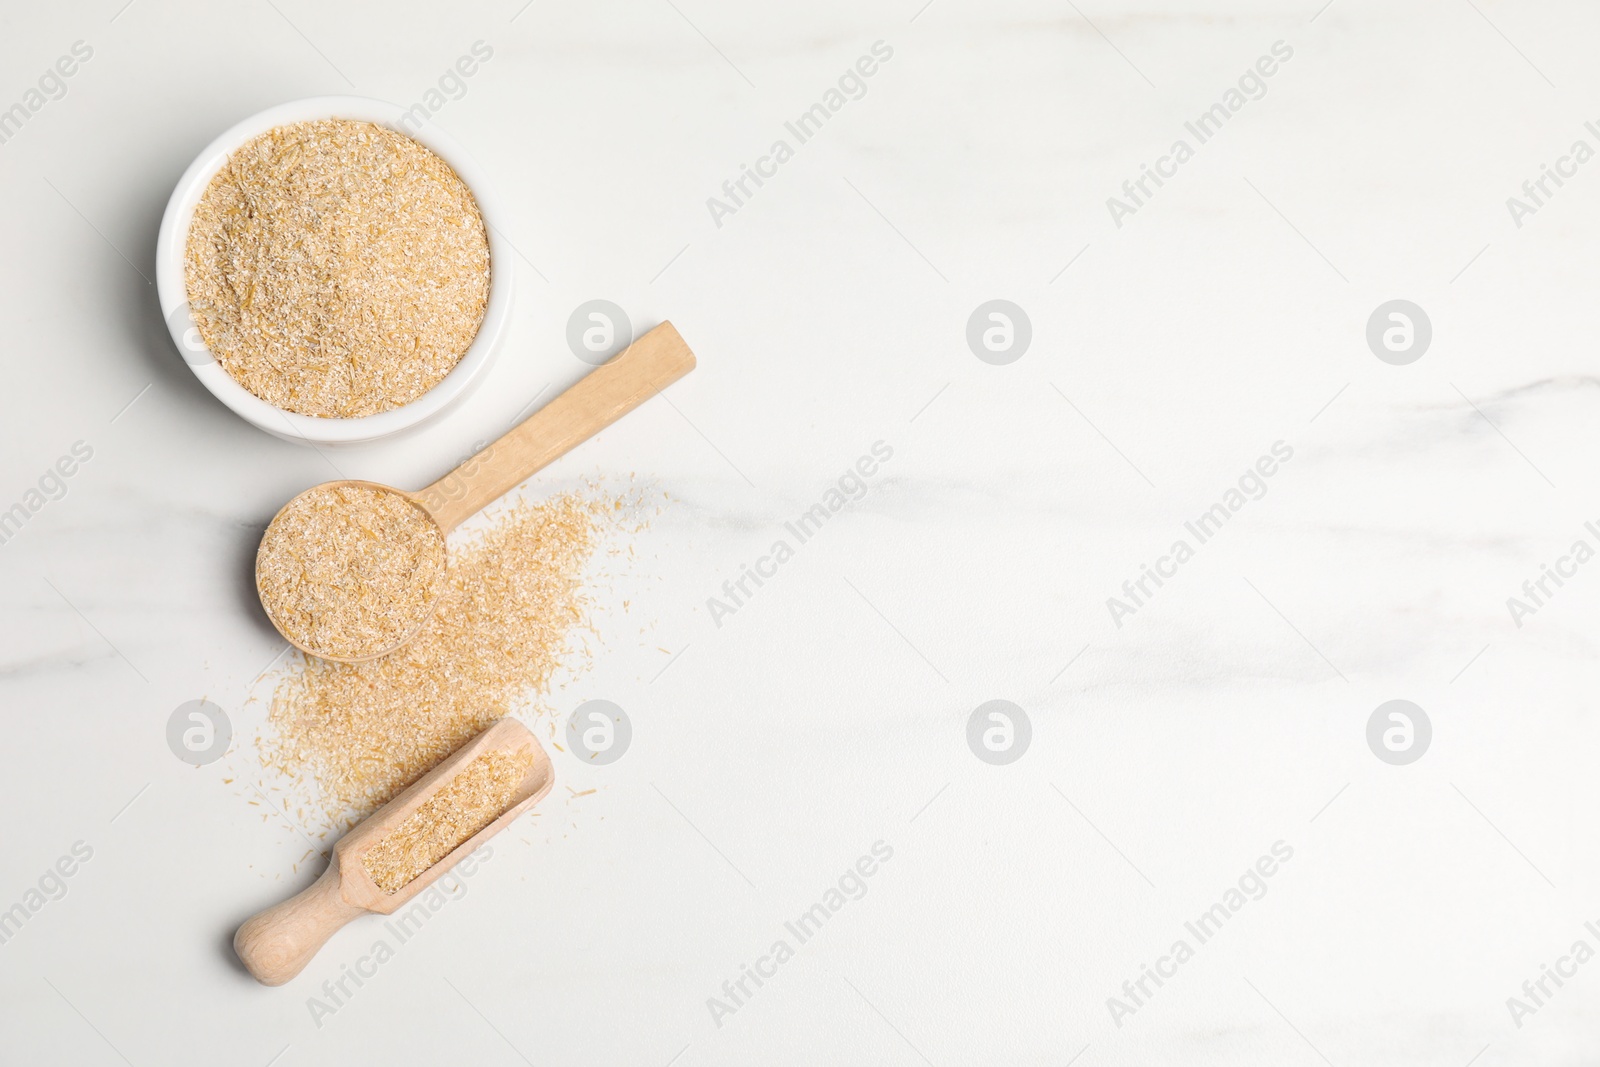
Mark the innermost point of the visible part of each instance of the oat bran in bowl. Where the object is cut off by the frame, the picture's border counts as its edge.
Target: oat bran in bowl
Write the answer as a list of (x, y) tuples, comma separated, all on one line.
[(332, 275)]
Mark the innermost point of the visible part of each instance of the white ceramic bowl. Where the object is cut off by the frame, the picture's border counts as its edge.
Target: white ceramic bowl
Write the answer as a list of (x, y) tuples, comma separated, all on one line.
[(170, 246)]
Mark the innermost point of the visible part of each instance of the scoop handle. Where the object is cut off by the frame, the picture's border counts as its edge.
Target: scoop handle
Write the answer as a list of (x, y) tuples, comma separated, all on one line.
[(603, 396), (276, 945)]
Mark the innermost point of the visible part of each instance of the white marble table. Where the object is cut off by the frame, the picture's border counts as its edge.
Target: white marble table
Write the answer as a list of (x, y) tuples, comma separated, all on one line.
[(1177, 337)]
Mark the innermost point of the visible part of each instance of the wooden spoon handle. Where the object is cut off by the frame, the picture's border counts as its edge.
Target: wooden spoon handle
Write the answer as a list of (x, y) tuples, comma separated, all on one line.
[(276, 945), (603, 396)]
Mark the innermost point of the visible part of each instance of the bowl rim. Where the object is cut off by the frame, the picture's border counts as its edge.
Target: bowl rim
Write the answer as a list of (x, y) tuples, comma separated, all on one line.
[(172, 241)]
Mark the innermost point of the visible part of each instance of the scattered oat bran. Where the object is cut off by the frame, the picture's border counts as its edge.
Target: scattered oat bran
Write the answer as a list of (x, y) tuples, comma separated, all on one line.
[(477, 796), (337, 268), (351, 736), (350, 570)]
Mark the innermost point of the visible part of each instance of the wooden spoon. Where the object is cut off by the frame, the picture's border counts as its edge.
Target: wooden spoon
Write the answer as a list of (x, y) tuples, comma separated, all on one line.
[(277, 944), (603, 396)]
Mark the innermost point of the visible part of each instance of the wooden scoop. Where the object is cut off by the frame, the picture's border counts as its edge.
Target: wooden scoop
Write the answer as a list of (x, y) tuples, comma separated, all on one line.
[(277, 944), (603, 396)]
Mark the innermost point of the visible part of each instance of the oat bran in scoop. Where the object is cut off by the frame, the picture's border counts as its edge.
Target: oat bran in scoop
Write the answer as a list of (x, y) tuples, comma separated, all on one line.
[(477, 796)]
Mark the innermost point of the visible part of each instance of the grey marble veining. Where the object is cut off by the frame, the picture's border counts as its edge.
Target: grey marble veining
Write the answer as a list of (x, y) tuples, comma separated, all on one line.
[(1174, 748)]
